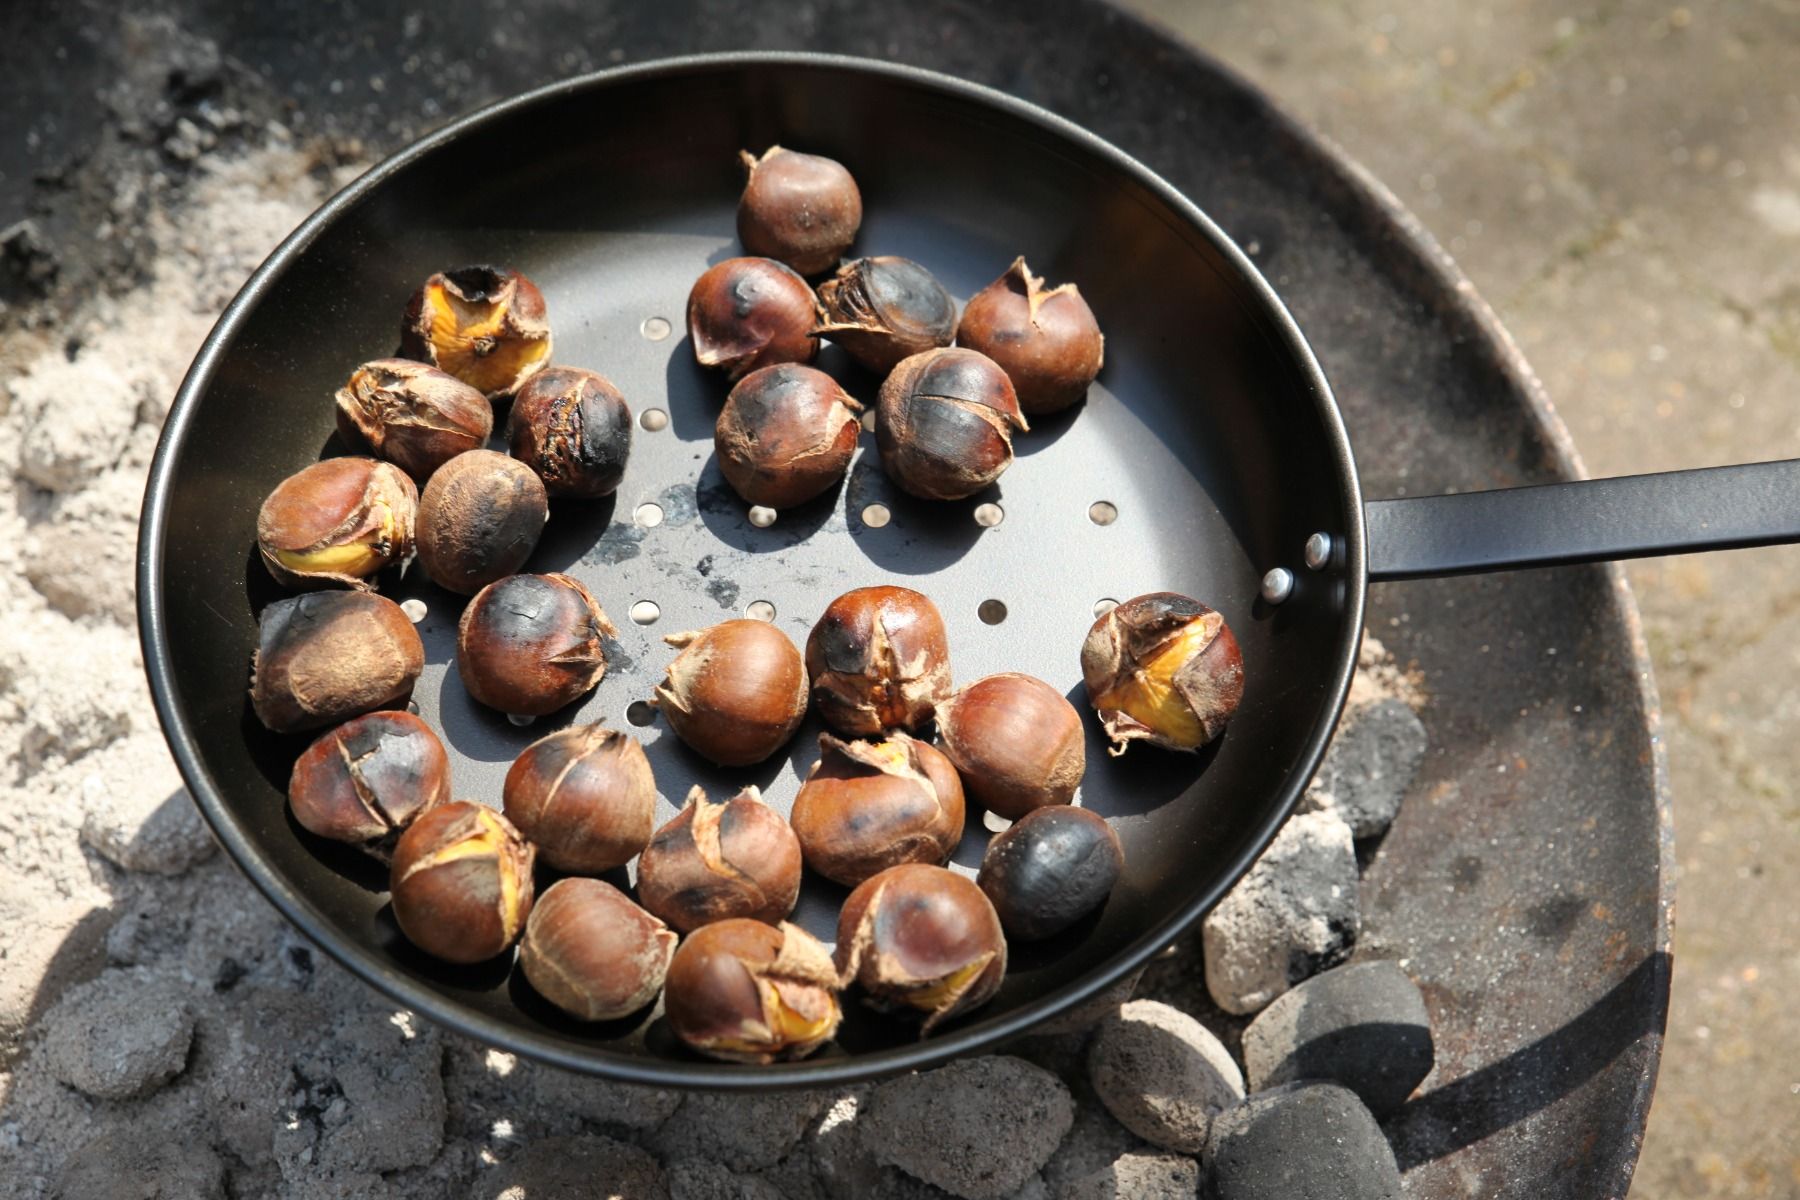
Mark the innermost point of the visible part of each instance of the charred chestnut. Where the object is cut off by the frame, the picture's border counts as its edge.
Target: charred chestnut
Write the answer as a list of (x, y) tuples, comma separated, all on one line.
[(1045, 339), (868, 806), (368, 779), (484, 325), (736, 692), (749, 313), (1052, 868), (592, 952), (337, 521), (1016, 741), (803, 209), (573, 428), (417, 417), (786, 434), (461, 882), (1165, 669), (325, 657), (720, 859), (944, 424), (530, 644), (480, 519), (881, 310), (879, 660), (921, 938), (585, 796), (748, 992)]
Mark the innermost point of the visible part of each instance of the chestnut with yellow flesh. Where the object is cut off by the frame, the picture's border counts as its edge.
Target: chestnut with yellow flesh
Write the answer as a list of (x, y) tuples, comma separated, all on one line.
[(337, 522), (1163, 668), (483, 325), (744, 991), (461, 884), (921, 938)]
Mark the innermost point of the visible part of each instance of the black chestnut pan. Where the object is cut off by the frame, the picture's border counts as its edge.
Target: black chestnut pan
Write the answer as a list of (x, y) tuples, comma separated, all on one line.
[(1206, 460)]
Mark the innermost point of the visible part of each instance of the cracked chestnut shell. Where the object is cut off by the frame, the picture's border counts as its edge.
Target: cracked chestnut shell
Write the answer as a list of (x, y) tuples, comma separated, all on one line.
[(480, 519), (484, 325), (720, 859), (803, 209), (786, 435), (743, 991), (585, 796), (747, 313), (1016, 741), (1053, 867), (736, 692), (879, 659), (461, 882), (573, 428), (868, 806), (1165, 669), (944, 424), (881, 310), (592, 952), (921, 939), (325, 657), (531, 644), (415, 416), (1045, 339), (368, 779), (337, 522)]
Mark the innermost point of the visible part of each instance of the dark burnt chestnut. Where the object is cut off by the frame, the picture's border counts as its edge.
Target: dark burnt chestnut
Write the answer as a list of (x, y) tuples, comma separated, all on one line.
[(479, 520), (1016, 741), (881, 310), (1046, 340), (1163, 668), (585, 796), (592, 952), (803, 209), (484, 325), (573, 428), (944, 424), (744, 991), (736, 692), (879, 660), (786, 435), (922, 939), (337, 522), (747, 313), (1052, 868), (325, 657), (461, 882), (868, 806), (367, 780), (530, 644), (416, 417), (720, 859)]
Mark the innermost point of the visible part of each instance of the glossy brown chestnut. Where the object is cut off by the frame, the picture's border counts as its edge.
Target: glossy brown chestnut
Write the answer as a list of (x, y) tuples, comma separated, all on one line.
[(480, 519), (786, 435), (736, 692), (585, 796), (1016, 741), (803, 209), (1045, 339), (720, 859), (744, 991), (325, 657), (922, 939), (1053, 867), (747, 313), (881, 310), (1165, 669), (530, 644), (484, 325), (416, 417), (573, 428), (878, 659), (337, 522), (944, 424), (868, 806), (461, 882), (592, 952), (368, 779)]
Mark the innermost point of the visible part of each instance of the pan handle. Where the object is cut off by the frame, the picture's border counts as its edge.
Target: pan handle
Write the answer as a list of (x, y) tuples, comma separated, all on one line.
[(1592, 520)]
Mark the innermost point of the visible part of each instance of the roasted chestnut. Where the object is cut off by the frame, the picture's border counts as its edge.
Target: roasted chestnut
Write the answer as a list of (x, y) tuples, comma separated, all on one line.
[(417, 417), (592, 952), (337, 521), (461, 882), (748, 313), (1163, 668), (484, 325), (325, 657), (1046, 340), (879, 660), (585, 796), (574, 429), (366, 780), (720, 859), (736, 692), (530, 644), (480, 519), (921, 938), (944, 424), (1016, 742), (881, 310), (1052, 868), (748, 992), (786, 434), (868, 806), (803, 209)]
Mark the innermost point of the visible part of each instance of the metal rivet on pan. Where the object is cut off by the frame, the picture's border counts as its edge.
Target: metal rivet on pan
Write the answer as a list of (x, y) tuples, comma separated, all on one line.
[(520, 718), (762, 517), (991, 612), (1278, 585), (760, 610), (989, 515), (1103, 512), (1318, 550), (1104, 606), (640, 712), (414, 608), (654, 328), (645, 612), (876, 515), (654, 419), (649, 515)]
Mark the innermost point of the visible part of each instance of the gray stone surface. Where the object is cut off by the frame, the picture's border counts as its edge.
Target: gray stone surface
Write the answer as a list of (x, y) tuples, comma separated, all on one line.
[(119, 1166), (1372, 762), (1138, 1177), (703, 1179), (122, 1035), (1301, 1141), (1162, 1074), (743, 1130), (573, 1168)]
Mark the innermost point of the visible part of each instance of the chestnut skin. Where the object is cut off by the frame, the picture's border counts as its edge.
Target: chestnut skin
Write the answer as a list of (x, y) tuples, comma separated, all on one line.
[(461, 884), (944, 424), (922, 939), (803, 209), (1053, 867), (585, 796), (485, 325), (879, 659), (325, 657), (416, 417), (720, 859), (573, 428), (337, 522), (748, 313), (531, 644), (368, 779), (1045, 339), (743, 991), (786, 435), (736, 692), (592, 952), (868, 806), (1016, 741), (1165, 669), (881, 310), (479, 521)]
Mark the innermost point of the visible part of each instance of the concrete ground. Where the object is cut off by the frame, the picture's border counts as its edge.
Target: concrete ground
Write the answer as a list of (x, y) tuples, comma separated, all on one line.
[(1621, 180)]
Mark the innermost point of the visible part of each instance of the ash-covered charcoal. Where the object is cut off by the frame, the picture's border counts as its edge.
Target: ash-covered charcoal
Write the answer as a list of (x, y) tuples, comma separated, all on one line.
[(1371, 764), (1162, 1074), (1301, 1141)]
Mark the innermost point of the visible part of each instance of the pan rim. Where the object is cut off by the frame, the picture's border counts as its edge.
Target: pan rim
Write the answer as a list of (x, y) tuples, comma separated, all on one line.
[(976, 1037)]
